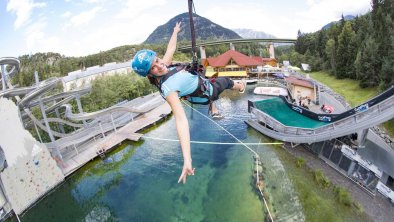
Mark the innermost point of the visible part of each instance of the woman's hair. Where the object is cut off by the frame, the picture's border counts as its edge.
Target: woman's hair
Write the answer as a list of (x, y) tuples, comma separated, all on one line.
[(152, 80)]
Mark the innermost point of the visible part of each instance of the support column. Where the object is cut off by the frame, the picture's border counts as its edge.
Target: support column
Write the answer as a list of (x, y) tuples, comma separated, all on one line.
[(362, 136), (272, 50), (61, 128), (3, 70), (78, 98), (202, 52), (232, 46), (44, 116)]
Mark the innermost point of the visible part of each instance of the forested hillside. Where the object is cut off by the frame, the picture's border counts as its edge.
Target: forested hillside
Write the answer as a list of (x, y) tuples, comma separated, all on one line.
[(361, 49)]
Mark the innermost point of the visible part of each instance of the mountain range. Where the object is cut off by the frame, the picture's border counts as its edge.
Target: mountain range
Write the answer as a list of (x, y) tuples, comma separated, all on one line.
[(204, 29), (253, 34), (347, 17)]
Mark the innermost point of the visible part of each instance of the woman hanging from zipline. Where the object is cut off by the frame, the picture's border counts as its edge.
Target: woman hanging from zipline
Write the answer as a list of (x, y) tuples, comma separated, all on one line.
[(176, 82)]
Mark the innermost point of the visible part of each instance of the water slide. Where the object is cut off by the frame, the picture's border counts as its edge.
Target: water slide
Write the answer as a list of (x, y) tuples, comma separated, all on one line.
[(94, 124), (6, 62), (284, 121)]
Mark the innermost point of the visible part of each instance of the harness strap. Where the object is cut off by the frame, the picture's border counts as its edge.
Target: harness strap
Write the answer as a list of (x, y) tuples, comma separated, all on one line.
[(202, 90)]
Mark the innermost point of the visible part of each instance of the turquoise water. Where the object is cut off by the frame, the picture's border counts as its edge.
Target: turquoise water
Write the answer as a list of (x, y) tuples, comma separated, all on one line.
[(276, 108), (138, 182)]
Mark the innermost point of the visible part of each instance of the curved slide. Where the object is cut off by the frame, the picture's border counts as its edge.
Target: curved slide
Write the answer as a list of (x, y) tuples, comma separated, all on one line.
[(361, 117), (9, 61), (140, 109)]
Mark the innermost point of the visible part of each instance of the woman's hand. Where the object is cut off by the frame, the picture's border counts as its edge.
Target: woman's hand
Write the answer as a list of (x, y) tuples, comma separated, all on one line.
[(187, 170), (177, 27), (171, 47)]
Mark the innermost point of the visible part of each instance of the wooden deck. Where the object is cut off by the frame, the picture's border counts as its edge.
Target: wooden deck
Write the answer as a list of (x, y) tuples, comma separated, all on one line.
[(127, 132)]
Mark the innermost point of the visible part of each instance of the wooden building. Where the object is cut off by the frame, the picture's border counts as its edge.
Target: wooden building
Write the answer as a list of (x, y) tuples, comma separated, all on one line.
[(302, 89), (231, 64)]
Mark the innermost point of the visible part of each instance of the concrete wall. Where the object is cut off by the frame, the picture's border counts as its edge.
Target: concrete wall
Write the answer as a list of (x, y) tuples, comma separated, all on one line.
[(31, 170)]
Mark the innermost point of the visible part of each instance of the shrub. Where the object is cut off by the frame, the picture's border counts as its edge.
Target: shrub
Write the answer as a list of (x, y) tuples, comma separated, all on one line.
[(343, 196), (300, 162), (321, 179), (359, 208)]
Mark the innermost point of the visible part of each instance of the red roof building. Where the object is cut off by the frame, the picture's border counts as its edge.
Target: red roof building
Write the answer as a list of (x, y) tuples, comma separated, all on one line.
[(266, 61), (232, 57), (231, 63)]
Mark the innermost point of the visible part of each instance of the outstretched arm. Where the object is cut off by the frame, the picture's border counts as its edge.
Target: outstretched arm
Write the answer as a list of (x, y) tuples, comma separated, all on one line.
[(182, 127), (171, 47)]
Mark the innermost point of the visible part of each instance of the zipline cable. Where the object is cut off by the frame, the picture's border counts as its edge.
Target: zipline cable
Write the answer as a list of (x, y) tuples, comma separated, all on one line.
[(251, 150), (208, 142), (256, 155)]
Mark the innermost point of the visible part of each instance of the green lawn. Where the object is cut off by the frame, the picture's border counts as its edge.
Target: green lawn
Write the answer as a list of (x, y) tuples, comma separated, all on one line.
[(352, 92), (348, 88)]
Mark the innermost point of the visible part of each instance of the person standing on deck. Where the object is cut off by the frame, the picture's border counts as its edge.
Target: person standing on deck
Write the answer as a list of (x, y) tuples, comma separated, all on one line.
[(174, 83)]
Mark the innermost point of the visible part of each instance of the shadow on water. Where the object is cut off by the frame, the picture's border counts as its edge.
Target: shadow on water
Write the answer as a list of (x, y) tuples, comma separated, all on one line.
[(138, 182)]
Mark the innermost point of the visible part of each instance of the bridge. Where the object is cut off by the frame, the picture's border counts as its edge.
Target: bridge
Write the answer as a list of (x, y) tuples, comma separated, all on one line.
[(233, 41)]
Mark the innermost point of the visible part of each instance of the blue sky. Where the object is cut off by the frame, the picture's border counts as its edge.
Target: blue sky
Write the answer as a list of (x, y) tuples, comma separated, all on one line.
[(83, 27)]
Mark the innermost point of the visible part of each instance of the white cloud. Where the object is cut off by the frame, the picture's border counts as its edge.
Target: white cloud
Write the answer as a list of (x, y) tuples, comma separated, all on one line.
[(286, 21), (229, 15), (333, 9), (84, 18), (66, 14), (132, 9), (322, 12), (38, 41), (23, 10), (35, 33)]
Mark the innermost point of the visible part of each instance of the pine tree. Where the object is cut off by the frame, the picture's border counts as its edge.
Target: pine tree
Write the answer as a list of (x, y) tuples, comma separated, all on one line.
[(330, 53), (370, 66), (346, 52), (387, 72)]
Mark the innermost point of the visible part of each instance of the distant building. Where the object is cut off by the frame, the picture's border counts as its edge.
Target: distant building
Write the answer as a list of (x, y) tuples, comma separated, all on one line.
[(232, 64), (301, 89), (266, 61), (83, 78)]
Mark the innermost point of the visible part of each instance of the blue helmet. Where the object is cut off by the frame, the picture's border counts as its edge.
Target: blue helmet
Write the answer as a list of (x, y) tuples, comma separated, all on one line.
[(142, 61)]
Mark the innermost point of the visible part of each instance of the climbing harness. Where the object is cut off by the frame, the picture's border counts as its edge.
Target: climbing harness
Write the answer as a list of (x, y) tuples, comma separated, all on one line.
[(201, 95)]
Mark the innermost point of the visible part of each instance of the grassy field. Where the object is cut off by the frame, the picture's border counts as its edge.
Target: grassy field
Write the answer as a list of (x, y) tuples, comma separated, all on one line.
[(319, 203), (352, 92), (348, 88)]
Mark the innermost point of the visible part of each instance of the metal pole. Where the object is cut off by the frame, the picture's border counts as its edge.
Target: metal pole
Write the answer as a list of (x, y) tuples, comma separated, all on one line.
[(102, 131), (78, 98), (59, 124), (3, 70), (193, 35), (75, 148), (113, 122), (38, 133), (49, 131)]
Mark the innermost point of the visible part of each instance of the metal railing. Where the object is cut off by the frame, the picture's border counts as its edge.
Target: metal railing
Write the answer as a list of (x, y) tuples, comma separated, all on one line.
[(376, 114)]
